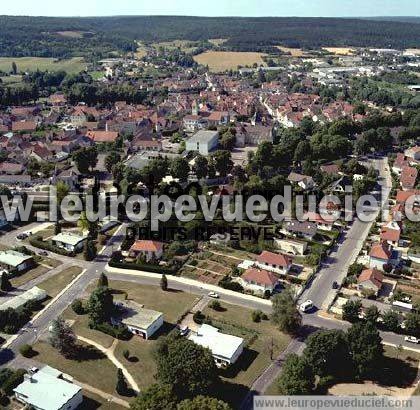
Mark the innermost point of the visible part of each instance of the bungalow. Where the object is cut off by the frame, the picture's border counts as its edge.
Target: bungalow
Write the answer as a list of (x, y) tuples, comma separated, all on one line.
[(274, 262), (330, 169), (413, 153), (149, 249), (290, 246), (391, 233), (259, 280), (370, 279), (306, 230), (16, 261), (69, 241), (225, 348), (324, 223), (139, 321), (49, 389), (408, 178), (381, 254), (304, 181)]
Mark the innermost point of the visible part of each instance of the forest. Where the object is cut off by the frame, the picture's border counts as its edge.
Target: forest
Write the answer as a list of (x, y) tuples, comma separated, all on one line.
[(101, 36)]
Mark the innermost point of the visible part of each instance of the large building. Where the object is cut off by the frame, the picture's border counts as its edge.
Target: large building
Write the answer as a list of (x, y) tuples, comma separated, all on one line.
[(203, 142), (225, 348), (49, 389)]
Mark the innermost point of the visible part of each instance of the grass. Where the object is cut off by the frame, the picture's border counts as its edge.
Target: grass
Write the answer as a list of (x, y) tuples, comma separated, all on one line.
[(217, 41), (225, 60), (28, 276), (54, 285), (260, 338), (294, 52), (11, 80), (72, 65), (90, 367), (92, 401)]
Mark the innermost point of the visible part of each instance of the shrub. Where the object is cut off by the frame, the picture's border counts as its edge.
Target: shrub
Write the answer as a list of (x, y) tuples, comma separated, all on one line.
[(198, 318), (26, 351), (215, 305), (120, 332), (13, 381), (37, 242), (256, 316), (126, 354), (78, 307), (227, 283)]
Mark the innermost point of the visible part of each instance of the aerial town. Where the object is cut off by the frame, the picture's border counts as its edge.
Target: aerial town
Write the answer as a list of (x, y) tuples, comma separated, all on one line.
[(209, 314)]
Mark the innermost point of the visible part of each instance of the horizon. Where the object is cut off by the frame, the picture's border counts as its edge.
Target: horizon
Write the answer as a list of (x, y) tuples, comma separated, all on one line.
[(218, 8)]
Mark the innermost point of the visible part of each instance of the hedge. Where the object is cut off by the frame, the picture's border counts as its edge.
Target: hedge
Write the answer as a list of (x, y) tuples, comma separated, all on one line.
[(39, 243), (143, 266), (119, 332)]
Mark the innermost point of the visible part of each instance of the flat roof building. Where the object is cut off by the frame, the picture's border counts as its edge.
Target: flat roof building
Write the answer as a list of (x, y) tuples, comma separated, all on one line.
[(203, 142)]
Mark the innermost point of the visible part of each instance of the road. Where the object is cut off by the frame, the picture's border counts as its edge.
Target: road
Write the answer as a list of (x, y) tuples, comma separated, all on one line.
[(335, 267)]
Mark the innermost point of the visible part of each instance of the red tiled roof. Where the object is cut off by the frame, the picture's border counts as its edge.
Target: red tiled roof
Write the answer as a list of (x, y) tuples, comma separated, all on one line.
[(24, 126), (10, 167), (380, 251), (388, 234), (408, 177), (147, 246), (402, 196), (260, 276), (373, 275), (102, 136), (274, 259)]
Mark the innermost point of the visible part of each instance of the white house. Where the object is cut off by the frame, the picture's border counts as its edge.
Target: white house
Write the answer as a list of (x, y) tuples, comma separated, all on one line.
[(49, 389), (17, 261), (149, 249), (225, 349), (413, 153), (139, 321), (69, 241), (258, 280), (291, 246), (203, 142), (274, 262)]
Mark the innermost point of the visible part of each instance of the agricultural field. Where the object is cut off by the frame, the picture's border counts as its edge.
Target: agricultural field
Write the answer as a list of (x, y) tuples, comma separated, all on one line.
[(217, 41), (342, 51), (294, 52), (72, 65), (184, 45), (219, 61)]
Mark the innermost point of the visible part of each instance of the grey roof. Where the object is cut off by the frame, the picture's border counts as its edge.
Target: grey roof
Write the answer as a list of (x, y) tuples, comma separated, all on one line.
[(68, 238), (135, 315), (203, 136), (34, 293), (13, 258), (46, 390), (296, 226)]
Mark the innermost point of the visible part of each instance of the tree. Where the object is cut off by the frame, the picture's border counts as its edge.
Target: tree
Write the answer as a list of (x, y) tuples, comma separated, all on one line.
[(391, 320), (100, 306), (201, 166), (327, 353), (180, 169), (85, 159), (366, 350), (164, 283), (102, 281), (57, 228), (77, 306), (62, 190), (121, 387), (297, 377), (83, 222), (227, 141), (412, 324), (26, 351), (62, 337), (155, 397), (112, 159), (5, 285), (372, 314), (186, 366), (222, 162), (14, 68), (89, 250), (285, 313), (352, 310), (203, 403)]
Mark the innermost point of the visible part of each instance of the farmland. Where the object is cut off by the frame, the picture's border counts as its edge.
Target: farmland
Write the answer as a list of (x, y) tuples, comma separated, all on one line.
[(226, 60), (72, 65), (343, 51)]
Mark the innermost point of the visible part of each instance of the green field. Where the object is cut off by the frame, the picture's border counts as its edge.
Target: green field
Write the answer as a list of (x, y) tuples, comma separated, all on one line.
[(72, 65)]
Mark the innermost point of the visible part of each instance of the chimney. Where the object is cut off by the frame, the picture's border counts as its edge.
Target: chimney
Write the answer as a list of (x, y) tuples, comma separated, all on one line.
[(106, 126)]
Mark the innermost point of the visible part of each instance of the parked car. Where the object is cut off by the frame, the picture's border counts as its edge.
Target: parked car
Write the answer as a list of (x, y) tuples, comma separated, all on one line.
[(306, 306), (43, 253), (21, 236), (412, 339), (33, 370), (335, 285), (213, 295), (184, 330)]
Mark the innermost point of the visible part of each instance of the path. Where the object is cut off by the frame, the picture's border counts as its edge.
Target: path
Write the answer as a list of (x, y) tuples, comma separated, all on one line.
[(109, 353), (108, 397)]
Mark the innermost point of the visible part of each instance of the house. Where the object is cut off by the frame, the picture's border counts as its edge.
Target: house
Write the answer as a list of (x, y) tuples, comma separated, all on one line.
[(413, 153), (323, 222), (139, 321), (341, 184), (102, 136), (24, 126), (203, 142), (399, 163), (16, 261), (304, 181), (391, 233), (49, 389), (217, 118), (290, 246), (193, 123), (370, 279), (69, 241), (403, 196), (34, 294), (225, 348), (380, 255), (274, 262), (149, 249), (408, 178), (259, 280), (11, 168), (330, 169), (306, 230)]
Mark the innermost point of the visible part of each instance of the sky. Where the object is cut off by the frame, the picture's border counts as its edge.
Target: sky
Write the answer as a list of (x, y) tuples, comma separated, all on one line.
[(304, 8)]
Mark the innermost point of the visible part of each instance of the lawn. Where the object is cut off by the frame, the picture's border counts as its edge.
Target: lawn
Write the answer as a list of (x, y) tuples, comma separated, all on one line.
[(92, 401), (226, 60), (261, 338), (344, 51), (72, 65), (28, 276), (91, 366), (294, 52), (54, 285)]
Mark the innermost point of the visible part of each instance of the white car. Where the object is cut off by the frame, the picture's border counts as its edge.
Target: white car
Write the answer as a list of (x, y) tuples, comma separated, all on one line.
[(412, 339), (213, 295), (306, 306)]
